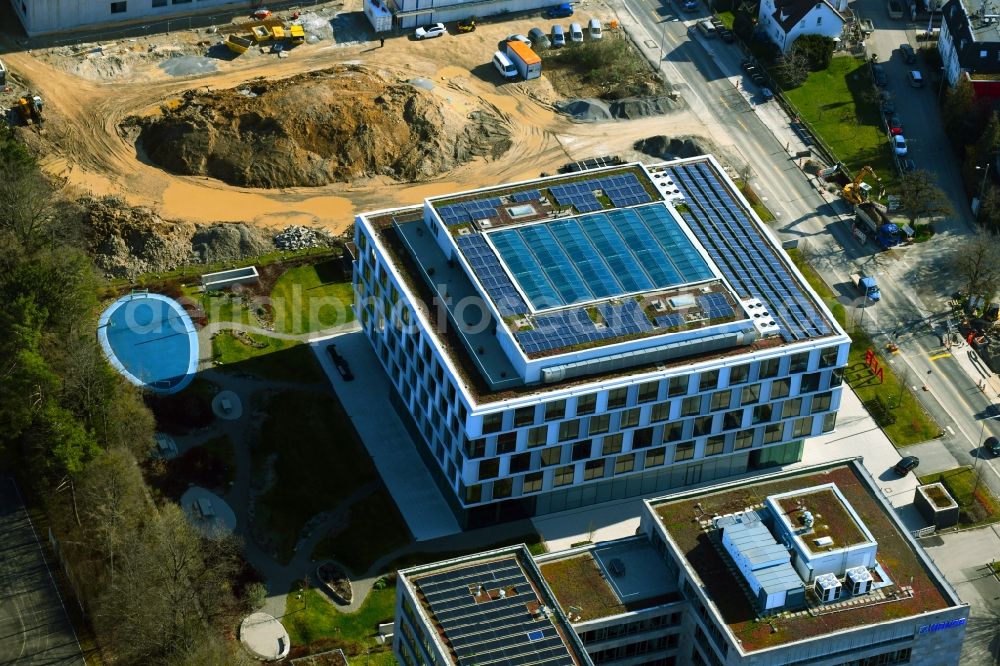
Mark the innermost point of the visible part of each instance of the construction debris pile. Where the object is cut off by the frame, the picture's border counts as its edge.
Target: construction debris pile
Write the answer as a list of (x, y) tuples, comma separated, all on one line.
[(334, 125), (300, 238)]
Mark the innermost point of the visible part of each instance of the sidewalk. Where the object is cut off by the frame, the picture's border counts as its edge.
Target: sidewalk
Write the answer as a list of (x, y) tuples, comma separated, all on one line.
[(393, 451)]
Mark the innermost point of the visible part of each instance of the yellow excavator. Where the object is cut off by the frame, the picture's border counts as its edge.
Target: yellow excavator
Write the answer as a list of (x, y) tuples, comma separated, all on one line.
[(858, 191)]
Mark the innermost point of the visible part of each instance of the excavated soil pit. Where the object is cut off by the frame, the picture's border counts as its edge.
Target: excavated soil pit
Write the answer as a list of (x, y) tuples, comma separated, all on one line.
[(334, 125)]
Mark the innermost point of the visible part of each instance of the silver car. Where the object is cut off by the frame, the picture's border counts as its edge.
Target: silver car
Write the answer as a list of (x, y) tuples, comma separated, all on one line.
[(575, 33)]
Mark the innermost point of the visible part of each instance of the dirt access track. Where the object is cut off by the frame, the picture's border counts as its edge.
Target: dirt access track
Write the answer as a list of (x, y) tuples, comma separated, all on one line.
[(83, 140)]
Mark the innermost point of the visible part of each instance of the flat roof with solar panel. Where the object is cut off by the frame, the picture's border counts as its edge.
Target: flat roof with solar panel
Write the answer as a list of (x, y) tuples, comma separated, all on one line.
[(639, 263), (493, 608)]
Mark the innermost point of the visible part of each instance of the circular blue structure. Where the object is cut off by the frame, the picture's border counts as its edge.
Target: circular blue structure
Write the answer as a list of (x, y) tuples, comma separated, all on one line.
[(151, 340)]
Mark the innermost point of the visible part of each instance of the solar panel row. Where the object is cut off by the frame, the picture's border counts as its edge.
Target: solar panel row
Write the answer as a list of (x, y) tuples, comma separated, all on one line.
[(715, 306), (487, 628), (468, 211), (486, 265), (525, 196), (669, 320), (572, 327), (623, 190), (734, 243)]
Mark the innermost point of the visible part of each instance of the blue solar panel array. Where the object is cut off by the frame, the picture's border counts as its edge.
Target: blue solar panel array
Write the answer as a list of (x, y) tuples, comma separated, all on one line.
[(623, 190), (599, 256), (735, 244), (572, 327), (494, 630), (715, 306), (468, 211), (669, 320), (486, 265), (527, 195)]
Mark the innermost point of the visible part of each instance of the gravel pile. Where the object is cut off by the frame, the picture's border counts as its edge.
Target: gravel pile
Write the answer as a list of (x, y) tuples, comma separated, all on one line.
[(224, 242), (300, 238)]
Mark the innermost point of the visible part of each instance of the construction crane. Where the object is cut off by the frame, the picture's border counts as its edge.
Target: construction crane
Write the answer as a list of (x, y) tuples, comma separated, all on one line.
[(857, 191)]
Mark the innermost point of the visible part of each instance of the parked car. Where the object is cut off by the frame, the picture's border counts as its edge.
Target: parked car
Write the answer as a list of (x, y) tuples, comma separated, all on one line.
[(558, 36), (915, 78), (539, 39), (594, 28), (513, 38), (747, 65), (992, 445), (899, 144), (906, 166), (431, 31), (560, 11), (690, 5), (895, 125), (909, 55), (575, 33), (906, 465), (879, 76), (466, 25), (727, 35), (888, 107), (766, 94)]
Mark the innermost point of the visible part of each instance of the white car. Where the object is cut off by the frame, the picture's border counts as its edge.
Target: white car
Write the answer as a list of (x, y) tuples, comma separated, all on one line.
[(430, 31), (899, 144), (575, 33)]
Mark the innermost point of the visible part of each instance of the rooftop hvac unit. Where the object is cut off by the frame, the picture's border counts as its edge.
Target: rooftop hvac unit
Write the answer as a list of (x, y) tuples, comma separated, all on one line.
[(827, 587), (860, 580)]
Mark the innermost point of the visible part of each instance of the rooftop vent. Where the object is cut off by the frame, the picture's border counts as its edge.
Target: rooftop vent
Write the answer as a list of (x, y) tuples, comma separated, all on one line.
[(823, 541), (807, 519)]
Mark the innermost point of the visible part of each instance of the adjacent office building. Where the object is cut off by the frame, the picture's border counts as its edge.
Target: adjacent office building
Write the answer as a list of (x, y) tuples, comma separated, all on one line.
[(805, 567), (573, 339), (47, 16)]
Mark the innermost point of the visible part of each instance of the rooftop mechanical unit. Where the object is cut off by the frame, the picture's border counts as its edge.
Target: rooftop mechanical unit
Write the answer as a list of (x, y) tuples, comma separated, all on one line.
[(828, 587), (860, 580)]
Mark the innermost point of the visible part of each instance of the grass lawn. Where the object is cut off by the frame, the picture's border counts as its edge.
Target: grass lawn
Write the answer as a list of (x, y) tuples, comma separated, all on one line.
[(980, 508), (376, 528), (837, 104), (308, 298), (891, 402), (312, 619), (319, 461), (281, 360)]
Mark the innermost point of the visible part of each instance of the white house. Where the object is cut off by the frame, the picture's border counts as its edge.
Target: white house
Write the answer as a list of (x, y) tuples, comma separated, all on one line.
[(784, 20)]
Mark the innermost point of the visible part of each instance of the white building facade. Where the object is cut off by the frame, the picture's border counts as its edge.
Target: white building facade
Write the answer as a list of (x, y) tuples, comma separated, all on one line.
[(40, 17), (784, 21), (412, 13), (513, 448)]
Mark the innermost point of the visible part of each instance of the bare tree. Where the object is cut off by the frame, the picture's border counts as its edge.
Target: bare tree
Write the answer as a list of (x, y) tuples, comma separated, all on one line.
[(919, 196), (977, 261), (793, 68)]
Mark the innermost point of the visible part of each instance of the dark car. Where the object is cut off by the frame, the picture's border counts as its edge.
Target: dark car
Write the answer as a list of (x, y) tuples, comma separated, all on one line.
[(906, 166), (341, 363), (895, 125), (992, 444), (888, 107), (560, 11), (906, 465), (690, 5), (727, 35), (747, 65), (879, 76), (539, 39), (909, 55)]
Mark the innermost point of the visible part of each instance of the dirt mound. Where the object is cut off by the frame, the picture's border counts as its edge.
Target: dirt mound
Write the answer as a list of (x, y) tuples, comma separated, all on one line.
[(663, 147), (126, 242), (313, 129), (629, 108)]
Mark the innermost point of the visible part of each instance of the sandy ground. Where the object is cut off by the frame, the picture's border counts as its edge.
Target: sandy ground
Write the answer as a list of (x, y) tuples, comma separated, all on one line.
[(81, 141)]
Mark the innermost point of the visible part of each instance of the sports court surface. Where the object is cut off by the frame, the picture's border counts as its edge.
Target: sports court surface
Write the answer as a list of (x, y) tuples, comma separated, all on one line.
[(34, 628)]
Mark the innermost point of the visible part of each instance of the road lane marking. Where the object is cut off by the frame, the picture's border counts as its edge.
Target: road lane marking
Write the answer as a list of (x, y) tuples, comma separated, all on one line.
[(951, 431), (942, 355)]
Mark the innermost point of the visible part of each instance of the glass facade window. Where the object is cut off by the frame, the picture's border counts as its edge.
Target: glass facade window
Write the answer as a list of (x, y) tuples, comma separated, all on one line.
[(678, 386), (708, 380), (555, 410), (828, 357), (809, 383), (492, 423), (791, 408), (593, 469), (581, 450), (599, 424), (625, 463), (799, 362), (684, 451), (524, 416), (474, 494), (744, 440), (715, 445), (802, 427), (538, 436), (702, 426), (629, 418), (769, 368), (721, 400), (611, 444), (617, 398), (520, 463), (691, 406), (829, 422), (655, 457), (761, 414), (475, 448), (649, 391), (821, 402), (750, 394), (772, 433), (569, 430), (551, 456), (733, 419), (739, 374), (502, 488), (586, 404), (672, 432), (780, 388), (489, 468), (642, 438), (659, 412), (506, 442), (532, 482), (563, 476)]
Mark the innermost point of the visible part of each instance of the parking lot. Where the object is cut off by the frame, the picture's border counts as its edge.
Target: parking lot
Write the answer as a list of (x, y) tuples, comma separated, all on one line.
[(34, 628)]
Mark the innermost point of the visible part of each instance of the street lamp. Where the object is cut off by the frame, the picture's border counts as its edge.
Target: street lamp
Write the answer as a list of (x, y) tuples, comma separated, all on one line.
[(982, 186)]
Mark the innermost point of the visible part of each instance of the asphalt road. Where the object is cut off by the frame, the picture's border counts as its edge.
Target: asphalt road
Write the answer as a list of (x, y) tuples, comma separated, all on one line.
[(34, 628)]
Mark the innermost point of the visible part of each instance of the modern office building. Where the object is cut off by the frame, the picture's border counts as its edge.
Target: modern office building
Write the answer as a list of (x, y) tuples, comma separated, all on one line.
[(574, 339), (408, 14), (805, 567), (40, 17)]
